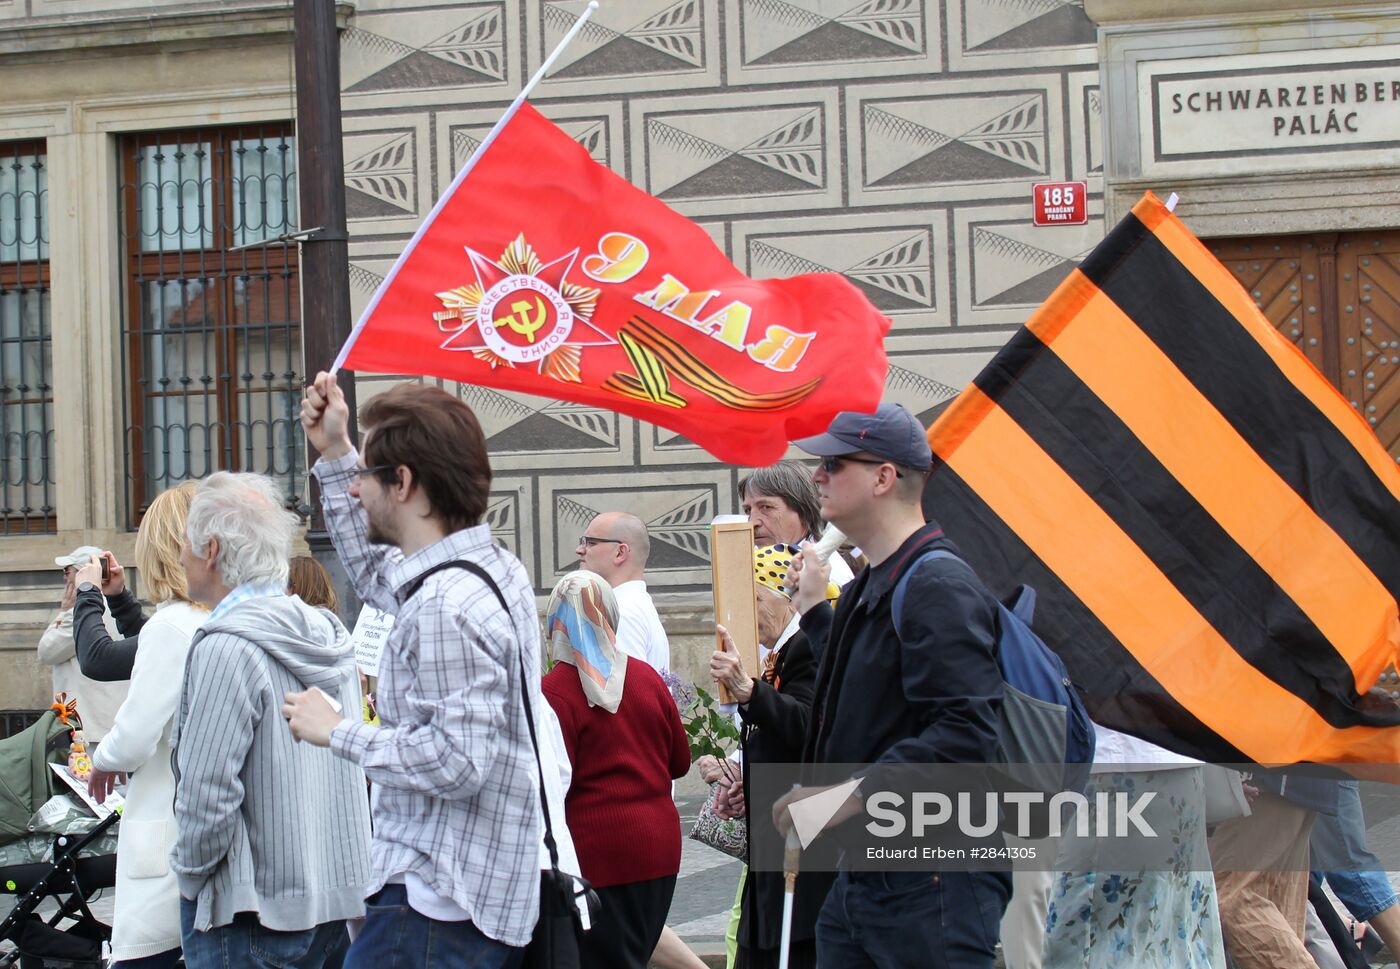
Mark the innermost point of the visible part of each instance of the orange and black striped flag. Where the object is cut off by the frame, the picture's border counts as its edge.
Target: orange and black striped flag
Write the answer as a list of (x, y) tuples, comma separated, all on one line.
[(1213, 532)]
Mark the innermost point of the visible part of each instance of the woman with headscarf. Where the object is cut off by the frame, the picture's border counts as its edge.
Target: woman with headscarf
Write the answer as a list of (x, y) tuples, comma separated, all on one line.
[(626, 744), (774, 708)]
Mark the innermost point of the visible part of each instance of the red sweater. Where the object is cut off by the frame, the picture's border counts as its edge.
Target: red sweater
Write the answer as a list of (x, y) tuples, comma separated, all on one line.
[(619, 808)]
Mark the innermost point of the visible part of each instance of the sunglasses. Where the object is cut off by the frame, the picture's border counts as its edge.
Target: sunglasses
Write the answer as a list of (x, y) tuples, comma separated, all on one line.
[(589, 541), (833, 464)]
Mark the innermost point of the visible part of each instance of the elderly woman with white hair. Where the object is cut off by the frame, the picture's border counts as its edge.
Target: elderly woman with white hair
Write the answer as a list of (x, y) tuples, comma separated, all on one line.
[(272, 842), (626, 743)]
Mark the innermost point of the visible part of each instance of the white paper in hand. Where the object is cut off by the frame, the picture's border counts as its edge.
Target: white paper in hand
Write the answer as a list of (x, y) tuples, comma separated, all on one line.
[(114, 801), (370, 635), (334, 703)]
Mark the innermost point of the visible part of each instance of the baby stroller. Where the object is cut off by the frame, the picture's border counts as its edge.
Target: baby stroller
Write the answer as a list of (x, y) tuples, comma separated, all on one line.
[(68, 865)]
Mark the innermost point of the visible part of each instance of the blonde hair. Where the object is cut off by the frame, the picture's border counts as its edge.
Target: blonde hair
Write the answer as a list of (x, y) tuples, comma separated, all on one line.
[(158, 544)]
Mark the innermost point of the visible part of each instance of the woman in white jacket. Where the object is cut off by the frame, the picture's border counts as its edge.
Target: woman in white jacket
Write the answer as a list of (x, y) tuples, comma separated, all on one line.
[(146, 922)]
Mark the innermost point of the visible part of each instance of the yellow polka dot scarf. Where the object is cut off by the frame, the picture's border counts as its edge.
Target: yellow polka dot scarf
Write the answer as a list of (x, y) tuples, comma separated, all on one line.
[(770, 569)]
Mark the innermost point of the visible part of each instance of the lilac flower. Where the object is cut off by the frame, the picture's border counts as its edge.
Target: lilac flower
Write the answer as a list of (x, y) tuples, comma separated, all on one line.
[(682, 693)]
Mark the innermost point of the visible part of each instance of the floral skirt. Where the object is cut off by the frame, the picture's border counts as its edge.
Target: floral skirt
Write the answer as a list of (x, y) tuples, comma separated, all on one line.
[(1147, 919)]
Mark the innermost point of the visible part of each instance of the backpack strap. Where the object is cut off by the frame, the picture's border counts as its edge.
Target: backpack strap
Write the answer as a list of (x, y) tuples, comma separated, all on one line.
[(472, 567), (1021, 603), (484, 576), (900, 587)]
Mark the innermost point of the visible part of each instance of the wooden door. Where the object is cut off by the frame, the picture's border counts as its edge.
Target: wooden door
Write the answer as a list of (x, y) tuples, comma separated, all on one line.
[(1337, 297)]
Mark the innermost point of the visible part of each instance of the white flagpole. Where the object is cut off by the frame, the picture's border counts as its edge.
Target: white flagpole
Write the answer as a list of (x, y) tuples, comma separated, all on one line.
[(792, 855), (466, 169)]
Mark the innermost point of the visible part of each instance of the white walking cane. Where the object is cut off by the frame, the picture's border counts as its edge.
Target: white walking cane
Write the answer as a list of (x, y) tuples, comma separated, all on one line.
[(792, 860)]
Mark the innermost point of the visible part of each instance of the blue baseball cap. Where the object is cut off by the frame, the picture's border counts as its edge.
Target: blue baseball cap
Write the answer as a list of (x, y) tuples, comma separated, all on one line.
[(891, 433)]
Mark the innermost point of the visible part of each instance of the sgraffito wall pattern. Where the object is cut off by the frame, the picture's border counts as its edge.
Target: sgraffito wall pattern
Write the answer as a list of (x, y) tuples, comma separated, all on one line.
[(893, 141)]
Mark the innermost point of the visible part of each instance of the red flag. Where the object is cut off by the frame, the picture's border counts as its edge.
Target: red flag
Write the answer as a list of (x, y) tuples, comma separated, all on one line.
[(544, 272)]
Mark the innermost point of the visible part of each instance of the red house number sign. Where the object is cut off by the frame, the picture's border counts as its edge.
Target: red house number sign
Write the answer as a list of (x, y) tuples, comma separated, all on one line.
[(1059, 203)]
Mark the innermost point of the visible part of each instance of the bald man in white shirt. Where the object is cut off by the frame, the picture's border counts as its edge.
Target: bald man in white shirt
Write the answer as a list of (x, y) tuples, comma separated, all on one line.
[(616, 546)]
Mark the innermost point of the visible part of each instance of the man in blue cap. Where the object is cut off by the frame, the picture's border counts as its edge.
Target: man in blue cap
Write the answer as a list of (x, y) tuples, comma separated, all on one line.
[(928, 692)]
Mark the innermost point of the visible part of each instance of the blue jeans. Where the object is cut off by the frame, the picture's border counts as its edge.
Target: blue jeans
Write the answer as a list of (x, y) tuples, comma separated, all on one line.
[(893, 920), (396, 937), (246, 944), (1350, 868)]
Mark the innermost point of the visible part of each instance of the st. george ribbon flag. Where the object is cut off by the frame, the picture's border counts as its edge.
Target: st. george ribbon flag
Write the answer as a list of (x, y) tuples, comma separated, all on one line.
[(1213, 532), (547, 273)]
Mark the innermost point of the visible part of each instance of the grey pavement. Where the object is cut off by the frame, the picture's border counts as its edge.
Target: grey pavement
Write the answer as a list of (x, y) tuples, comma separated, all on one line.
[(705, 887)]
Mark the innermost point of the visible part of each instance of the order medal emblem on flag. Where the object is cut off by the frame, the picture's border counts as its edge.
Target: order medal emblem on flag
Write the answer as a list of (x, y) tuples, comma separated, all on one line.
[(526, 318), (521, 310)]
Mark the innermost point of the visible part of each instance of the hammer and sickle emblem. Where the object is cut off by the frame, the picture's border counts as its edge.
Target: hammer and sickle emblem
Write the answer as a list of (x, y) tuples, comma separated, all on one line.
[(520, 320)]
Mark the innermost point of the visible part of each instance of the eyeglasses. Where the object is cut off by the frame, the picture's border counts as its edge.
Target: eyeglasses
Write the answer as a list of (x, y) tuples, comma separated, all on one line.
[(833, 464), (588, 541), (363, 473)]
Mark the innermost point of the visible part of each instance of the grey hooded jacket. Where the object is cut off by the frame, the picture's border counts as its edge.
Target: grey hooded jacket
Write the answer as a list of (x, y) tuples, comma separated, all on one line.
[(265, 824)]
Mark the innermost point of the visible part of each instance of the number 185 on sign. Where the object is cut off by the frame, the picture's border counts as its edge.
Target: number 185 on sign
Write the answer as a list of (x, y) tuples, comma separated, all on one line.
[(1059, 203)]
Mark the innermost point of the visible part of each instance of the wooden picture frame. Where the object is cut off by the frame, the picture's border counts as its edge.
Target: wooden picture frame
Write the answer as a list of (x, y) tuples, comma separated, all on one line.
[(731, 572)]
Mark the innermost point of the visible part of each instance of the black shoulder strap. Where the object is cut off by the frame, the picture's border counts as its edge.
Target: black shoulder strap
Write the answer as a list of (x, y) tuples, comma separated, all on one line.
[(481, 573), (484, 576)]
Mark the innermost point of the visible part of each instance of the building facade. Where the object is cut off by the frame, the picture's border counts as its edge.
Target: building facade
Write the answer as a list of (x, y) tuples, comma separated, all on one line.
[(147, 154)]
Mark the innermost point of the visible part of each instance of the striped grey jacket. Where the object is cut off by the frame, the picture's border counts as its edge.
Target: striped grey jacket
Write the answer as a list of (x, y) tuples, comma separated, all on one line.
[(265, 824)]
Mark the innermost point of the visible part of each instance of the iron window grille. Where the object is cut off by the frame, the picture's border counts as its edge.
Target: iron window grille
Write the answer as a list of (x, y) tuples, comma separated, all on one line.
[(17, 721), (27, 499), (212, 338)]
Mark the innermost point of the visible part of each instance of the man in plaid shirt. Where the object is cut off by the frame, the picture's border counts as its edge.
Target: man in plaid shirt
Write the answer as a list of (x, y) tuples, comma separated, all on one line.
[(457, 822)]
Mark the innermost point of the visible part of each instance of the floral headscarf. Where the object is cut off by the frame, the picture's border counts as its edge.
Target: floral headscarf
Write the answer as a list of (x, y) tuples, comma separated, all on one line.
[(580, 625)]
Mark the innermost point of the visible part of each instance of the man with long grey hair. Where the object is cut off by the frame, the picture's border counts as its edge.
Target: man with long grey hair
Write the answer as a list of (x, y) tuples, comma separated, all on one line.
[(272, 847), (782, 505)]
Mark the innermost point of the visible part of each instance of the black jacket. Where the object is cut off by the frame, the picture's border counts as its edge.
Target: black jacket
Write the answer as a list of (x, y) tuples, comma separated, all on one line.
[(99, 656), (930, 694), (775, 723)]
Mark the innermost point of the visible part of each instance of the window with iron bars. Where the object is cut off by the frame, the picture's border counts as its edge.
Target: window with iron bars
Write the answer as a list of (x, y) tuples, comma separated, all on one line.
[(27, 500), (212, 337)]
